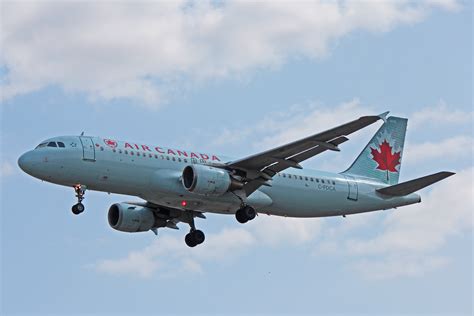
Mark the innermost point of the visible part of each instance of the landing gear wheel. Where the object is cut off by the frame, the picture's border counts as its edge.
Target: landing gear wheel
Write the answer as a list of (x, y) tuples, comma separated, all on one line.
[(245, 214), (249, 212), (80, 190), (189, 240), (194, 238), (78, 208), (241, 217), (198, 236)]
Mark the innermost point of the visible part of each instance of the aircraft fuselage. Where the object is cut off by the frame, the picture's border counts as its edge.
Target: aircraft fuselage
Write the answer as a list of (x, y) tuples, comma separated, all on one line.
[(153, 173)]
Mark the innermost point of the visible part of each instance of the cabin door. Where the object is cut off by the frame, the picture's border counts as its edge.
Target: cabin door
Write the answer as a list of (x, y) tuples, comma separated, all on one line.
[(88, 150), (353, 190)]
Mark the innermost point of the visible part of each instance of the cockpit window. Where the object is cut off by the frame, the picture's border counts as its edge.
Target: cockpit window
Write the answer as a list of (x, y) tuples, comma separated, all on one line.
[(41, 145), (61, 144), (52, 144)]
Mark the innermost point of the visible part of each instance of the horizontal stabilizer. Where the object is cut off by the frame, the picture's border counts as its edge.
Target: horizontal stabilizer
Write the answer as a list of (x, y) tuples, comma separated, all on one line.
[(411, 186)]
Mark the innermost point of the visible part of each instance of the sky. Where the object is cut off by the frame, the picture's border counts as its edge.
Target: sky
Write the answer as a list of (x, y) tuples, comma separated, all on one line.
[(237, 78)]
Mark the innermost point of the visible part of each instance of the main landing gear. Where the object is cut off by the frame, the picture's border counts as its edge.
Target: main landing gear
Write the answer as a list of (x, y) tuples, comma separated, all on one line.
[(80, 192), (245, 213), (195, 236)]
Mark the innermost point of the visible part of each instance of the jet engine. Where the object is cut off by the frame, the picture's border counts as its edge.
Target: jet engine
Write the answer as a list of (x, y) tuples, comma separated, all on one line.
[(209, 181), (130, 218)]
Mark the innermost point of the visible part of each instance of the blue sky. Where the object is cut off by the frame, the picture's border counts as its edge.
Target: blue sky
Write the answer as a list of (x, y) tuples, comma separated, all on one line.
[(237, 78)]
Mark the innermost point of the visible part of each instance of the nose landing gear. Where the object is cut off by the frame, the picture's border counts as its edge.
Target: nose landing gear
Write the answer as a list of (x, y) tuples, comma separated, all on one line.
[(80, 192)]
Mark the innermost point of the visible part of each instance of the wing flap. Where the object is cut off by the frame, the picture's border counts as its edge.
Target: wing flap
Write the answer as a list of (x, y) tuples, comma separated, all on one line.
[(411, 186)]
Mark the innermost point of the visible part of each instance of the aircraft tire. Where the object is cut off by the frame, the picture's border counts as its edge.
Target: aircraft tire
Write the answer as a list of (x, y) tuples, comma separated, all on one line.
[(189, 240), (249, 212), (241, 217), (198, 237), (78, 208)]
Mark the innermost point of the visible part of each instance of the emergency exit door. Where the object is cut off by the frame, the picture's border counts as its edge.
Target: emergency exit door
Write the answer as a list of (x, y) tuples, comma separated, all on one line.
[(88, 150)]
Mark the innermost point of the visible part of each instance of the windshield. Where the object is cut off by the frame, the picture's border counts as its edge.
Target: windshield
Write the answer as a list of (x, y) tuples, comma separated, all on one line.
[(51, 144), (41, 145)]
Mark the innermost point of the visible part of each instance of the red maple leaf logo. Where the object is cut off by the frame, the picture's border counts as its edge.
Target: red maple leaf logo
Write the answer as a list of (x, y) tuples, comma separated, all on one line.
[(385, 159), (111, 143)]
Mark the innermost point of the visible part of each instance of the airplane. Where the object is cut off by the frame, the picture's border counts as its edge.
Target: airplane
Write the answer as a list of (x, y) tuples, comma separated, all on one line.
[(179, 185)]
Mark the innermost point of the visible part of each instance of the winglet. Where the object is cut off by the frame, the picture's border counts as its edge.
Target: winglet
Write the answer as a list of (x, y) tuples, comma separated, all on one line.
[(383, 116)]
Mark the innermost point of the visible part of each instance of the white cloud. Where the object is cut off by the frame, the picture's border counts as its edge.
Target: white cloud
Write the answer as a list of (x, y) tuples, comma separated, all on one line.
[(399, 266), (411, 236), (6, 169), (298, 121), (147, 50), (451, 148), (440, 115), (277, 231), (168, 256)]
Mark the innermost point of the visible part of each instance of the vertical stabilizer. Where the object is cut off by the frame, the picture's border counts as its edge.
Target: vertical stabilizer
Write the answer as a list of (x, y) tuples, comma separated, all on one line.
[(382, 157)]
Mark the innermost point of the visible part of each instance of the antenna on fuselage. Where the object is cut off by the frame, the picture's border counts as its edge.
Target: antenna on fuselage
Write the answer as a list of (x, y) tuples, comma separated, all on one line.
[(82, 134)]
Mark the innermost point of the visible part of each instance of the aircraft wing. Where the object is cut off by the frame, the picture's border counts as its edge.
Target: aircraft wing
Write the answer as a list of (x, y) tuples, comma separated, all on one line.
[(260, 168)]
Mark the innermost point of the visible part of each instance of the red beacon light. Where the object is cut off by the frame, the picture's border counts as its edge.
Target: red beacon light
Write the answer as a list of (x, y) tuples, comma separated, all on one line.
[(184, 203)]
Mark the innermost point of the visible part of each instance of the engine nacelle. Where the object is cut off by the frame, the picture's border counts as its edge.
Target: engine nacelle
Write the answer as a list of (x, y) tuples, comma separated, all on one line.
[(130, 218), (207, 180)]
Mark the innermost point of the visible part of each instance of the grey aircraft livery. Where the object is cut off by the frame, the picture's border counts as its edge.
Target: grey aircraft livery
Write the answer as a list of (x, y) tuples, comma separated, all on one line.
[(179, 185)]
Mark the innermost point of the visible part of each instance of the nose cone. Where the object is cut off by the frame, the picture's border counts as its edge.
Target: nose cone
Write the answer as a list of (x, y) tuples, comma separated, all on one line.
[(25, 162)]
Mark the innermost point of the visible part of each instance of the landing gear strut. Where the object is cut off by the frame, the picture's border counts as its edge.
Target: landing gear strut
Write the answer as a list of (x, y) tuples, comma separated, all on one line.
[(245, 214), (80, 192), (195, 236)]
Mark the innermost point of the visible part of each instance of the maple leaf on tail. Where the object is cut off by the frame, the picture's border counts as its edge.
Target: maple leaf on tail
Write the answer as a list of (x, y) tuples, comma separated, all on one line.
[(384, 158)]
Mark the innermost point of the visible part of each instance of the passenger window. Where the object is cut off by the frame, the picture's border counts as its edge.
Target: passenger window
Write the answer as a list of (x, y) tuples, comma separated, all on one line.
[(120, 151), (301, 178), (284, 175), (150, 155), (138, 154), (126, 152), (289, 176), (173, 159), (61, 144), (167, 157), (156, 156), (317, 180), (179, 159), (311, 179), (131, 153), (306, 178), (52, 144), (322, 181), (185, 160), (334, 182)]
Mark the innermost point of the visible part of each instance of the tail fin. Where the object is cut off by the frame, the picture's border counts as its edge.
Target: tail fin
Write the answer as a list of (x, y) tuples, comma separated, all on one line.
[(382, 157)]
